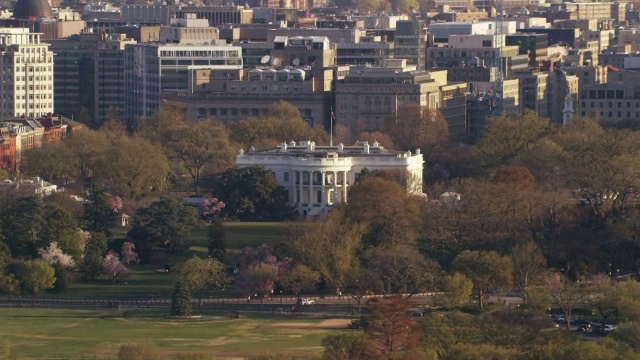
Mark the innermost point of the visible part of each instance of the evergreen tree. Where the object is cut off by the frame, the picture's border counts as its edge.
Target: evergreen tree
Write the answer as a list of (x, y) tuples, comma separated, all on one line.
[(99, 213), (181, 303), (217, 240), (94, 255)]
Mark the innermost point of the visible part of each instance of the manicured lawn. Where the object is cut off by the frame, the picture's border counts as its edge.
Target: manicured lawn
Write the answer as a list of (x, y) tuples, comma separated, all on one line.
[(54, 333), (145, 279)]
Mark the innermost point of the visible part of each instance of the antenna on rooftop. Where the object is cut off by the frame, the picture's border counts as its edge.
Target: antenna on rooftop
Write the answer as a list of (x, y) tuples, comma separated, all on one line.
[(265, 59), (296, 62)]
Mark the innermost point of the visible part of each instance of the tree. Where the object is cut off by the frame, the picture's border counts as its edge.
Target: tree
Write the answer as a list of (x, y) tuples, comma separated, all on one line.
[(49, 161), (250, 193), (362, 282), (416, 128), (53, 255), (210, 209), (9, 284), (20, 222), (404, 6), (507, 138), (128, 253), (132, 168), (517, 176), (259, 272), (99, 214), (529, 265), (564, 293), (392, 216), (344, 347), (488, 270), (258, 280), (391, 331), (85, 147), (38, 276), (456, 288), (113, 267), (197, 145), (94, 255), (335, 237), (181, 304), (401, 269), (300, 279), (217, 244), (165, 223), (59, 226), (202, 274), (604, 296)]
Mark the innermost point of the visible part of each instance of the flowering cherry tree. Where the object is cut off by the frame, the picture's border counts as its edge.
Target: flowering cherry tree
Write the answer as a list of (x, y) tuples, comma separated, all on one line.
[(260, 270), (210, 208), (128, 253), (113, 266), (53, 255), (115, 203)]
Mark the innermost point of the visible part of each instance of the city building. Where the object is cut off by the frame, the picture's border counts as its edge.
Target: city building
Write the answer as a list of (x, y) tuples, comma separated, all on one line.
[(88, 76), (151, 69), (27, 74), (410, 41), (217, 15), (189, 30), (370, 94), (298, 70), (38, 16), (616, 100), (317, 178), (21, 134), (145, 13)]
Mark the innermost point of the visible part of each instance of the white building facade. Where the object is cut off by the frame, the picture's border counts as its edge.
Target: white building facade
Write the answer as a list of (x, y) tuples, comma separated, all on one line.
[(27, 74), (318, 177), (151, 69)]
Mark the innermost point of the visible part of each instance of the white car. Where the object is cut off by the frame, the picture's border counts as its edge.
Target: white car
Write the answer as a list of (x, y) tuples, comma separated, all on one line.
[(307, 301)]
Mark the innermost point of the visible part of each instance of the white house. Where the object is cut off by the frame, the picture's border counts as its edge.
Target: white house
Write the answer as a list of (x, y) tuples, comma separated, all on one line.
[(318, 177)]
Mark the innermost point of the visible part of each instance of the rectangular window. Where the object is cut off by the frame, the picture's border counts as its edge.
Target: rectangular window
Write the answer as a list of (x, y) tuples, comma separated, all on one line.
[(286, 176)]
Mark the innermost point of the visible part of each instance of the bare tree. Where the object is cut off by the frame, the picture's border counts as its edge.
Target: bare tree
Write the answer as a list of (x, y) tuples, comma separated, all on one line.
[(565, 294), (528, 266)]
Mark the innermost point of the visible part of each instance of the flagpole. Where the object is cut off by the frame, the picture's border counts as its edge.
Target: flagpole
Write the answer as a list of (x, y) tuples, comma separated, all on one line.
[(331, 128)]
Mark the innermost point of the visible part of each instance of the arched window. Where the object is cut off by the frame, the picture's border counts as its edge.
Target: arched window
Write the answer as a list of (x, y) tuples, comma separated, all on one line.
[(377, 104), (387, 104), (367, 103)]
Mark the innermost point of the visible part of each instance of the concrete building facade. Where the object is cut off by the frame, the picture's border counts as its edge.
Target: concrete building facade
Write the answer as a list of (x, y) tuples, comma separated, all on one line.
[(27, 74)]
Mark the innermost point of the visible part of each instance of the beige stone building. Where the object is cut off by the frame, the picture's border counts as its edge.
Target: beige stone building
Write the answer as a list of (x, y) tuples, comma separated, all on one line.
[(616, 100)]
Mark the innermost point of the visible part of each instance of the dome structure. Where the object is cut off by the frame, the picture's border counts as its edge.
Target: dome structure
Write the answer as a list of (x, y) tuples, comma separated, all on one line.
[(32, 9)]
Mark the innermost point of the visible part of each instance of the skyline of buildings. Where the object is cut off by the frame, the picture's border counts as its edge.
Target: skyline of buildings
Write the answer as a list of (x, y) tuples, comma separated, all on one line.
[(232, 62)]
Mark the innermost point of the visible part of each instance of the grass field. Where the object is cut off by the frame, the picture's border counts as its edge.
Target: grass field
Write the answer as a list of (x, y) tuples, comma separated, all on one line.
[(144, 279), (41, 334)]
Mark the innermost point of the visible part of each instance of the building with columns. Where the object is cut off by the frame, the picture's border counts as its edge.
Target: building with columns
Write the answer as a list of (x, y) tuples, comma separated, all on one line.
[(318, 177)]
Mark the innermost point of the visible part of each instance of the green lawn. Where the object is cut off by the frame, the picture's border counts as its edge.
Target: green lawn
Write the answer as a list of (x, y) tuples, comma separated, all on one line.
[(55, 333), (144, 280)]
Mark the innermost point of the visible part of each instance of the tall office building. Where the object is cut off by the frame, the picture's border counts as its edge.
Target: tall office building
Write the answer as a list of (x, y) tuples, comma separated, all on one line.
[(152, 69), (410, 42), (27, 74)]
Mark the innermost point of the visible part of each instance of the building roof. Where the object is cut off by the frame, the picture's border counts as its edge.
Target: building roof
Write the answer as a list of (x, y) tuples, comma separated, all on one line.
[(32, 9), (309, 148)]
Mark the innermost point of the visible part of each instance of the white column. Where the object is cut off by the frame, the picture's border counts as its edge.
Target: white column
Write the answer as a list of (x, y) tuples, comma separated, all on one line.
[(301, 198), (344, 187), (324, 190), (335, 188), (292, 178), (311, 197)]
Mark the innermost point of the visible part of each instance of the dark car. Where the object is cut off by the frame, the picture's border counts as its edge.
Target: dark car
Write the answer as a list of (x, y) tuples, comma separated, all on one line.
[(585, 323)]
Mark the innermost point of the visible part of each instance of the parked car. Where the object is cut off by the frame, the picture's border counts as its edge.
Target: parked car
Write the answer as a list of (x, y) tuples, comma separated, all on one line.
[(414, 313), (307, 301), (604, 329), (584, 328), (585, 323)]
